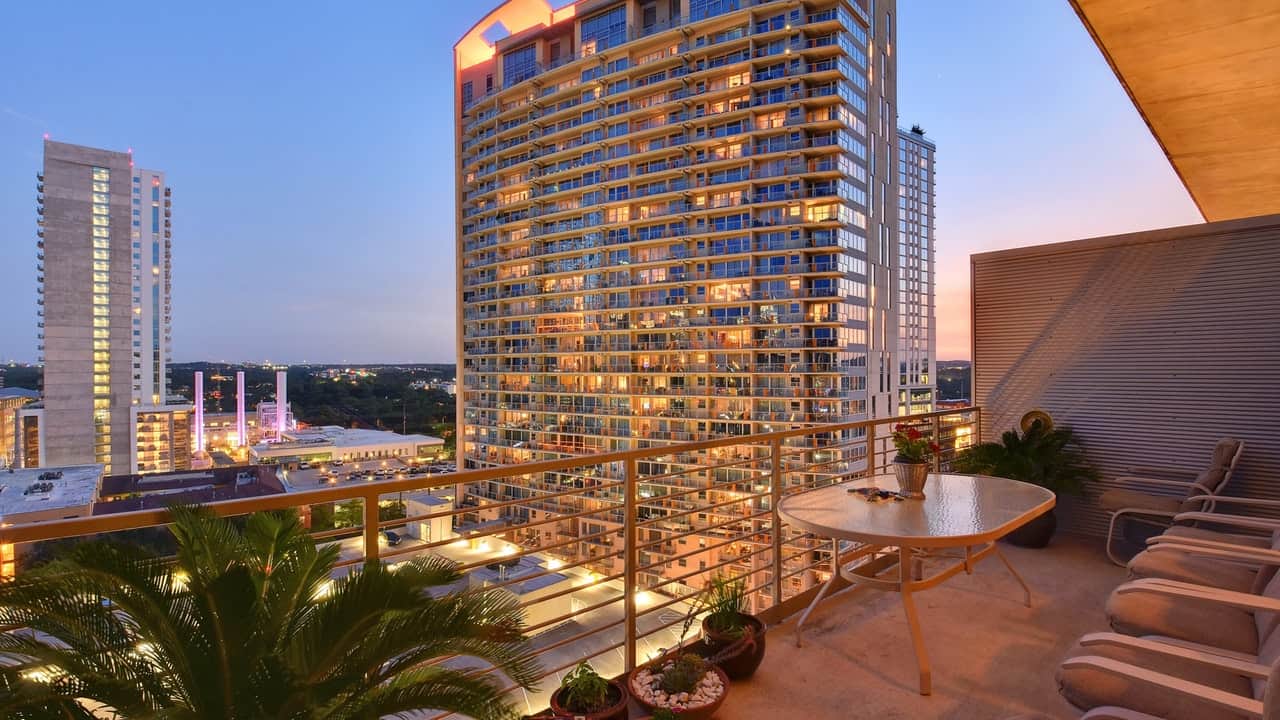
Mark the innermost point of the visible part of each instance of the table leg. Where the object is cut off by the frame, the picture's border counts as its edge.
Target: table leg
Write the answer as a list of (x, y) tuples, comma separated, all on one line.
[(913, 621), (1026, 591), (835, 575)]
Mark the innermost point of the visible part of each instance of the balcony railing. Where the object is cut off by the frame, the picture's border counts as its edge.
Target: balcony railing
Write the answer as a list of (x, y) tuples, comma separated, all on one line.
[(605, 550)]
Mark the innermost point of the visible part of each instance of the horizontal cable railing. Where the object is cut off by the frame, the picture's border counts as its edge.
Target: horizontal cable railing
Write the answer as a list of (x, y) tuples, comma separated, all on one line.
[(604, 552)]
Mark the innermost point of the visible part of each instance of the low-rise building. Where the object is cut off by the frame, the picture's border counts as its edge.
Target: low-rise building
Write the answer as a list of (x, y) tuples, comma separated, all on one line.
[(11, 399), (162, 438), (329, 442), (30, 495)]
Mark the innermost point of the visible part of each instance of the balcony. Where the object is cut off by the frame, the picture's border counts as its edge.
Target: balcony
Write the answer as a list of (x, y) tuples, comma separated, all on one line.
[(609, 590)]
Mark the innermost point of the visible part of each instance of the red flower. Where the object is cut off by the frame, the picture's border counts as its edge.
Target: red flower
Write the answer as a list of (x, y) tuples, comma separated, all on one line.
[(914, 434), (899, 427), (935, 447)]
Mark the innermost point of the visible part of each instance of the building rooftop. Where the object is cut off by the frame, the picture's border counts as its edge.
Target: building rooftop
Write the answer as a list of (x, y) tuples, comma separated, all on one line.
[(349, 437), (76, 488), (17, 392)]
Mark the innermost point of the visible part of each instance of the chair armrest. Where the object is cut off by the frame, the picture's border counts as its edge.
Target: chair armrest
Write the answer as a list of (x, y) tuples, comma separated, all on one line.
[(1201, 657), (1231, 500), (1200, 543), (1178, 686), (1111, 712), (1174, 588), (1234, 553), (1242, 656), (1244, 521)]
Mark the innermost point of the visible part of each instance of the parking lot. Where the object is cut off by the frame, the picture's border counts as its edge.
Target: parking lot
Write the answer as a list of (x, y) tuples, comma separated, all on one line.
[(307, 476)]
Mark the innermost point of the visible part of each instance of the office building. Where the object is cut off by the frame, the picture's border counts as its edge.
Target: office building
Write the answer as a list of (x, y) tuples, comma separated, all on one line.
[(676, 221), (917, 338), (104, 316)]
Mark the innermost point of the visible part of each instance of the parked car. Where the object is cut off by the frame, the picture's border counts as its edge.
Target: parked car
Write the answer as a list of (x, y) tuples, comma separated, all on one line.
[(393, 538)]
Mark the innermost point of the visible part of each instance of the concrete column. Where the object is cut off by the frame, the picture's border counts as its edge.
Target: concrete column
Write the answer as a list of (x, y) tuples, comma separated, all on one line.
[(242, 428), (199, 419), (282, 401)]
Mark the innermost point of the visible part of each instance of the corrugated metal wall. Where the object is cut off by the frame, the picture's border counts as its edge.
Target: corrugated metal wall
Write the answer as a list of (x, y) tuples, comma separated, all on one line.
[(1151, 345)]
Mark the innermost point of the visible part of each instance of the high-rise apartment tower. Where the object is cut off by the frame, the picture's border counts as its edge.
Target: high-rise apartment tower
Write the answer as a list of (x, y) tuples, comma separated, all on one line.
[(917, 335), (104, 284), (676, 220)]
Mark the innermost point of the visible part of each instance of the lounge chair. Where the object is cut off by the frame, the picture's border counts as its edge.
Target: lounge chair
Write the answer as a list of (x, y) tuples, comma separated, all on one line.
[(1231, 621), (1161, 509), (1239, 568), (1116, 677), (1232, 528)]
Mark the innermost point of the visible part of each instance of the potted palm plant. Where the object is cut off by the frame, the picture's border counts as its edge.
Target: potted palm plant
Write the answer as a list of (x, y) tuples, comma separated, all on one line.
[(584, 694), (733, 639), (1041, 455), (913, 460), (685, 684), (247, 623)]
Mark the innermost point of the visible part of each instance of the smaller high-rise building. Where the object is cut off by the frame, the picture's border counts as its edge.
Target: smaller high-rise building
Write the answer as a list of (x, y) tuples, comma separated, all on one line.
[(103, 251), (917, 332)]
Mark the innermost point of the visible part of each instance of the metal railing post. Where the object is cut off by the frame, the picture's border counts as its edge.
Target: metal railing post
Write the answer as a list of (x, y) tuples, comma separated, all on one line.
[(775, 496), (937, 438), (371, 527), (871, 449), (630, 561)]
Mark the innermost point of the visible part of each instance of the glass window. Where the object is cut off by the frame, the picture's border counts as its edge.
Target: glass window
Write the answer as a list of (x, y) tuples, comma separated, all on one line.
[(604, 30), (519, 65)]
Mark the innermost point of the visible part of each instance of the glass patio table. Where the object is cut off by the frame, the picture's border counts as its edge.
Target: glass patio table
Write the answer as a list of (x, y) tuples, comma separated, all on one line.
[(959, 520)]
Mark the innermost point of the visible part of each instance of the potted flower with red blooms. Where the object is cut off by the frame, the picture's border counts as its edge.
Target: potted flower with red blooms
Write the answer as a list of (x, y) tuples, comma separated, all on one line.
[(914, 458)]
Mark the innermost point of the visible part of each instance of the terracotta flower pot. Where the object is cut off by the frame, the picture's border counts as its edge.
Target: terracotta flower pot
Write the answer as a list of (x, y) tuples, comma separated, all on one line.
[(700, 712), (740, 655), (617, 710)]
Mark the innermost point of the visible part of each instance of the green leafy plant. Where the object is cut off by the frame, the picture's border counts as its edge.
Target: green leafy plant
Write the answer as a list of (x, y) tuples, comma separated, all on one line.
[(584, 691), (665, 714), (683, 674), (247, 623), (1052, 458), (723, 600)]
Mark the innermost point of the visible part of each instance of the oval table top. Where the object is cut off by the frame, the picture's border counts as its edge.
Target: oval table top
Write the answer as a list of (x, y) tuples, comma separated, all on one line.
[(958, 510)]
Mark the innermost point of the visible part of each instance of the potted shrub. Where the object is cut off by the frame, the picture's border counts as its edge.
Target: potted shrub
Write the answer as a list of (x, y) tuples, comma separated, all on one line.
[(911, 464), (685, 684), (734, 640), (584, 694), (1042, 455)]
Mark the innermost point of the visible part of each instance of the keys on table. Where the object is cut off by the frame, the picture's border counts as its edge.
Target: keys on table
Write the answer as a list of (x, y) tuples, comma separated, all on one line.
[(875, 494)]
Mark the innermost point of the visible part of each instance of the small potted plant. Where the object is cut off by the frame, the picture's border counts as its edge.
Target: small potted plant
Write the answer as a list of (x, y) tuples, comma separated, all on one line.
[(584, 694), (734, 640), (664, 714), (1042, 455), (684, 684), (911, 464)]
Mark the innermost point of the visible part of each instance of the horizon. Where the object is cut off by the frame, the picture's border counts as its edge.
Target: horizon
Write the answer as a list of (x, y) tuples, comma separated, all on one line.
[(307, 213)]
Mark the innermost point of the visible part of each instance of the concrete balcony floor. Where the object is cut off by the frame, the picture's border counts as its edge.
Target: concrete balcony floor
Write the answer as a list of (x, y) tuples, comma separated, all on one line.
[(993, 658)]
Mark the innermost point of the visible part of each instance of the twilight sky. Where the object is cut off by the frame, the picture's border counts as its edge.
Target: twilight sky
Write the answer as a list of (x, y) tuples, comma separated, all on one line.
[(309, 150)]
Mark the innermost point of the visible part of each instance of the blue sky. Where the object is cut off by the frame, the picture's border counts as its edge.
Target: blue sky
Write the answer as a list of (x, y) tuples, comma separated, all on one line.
[(310, 151)]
